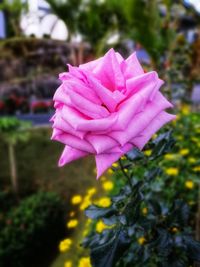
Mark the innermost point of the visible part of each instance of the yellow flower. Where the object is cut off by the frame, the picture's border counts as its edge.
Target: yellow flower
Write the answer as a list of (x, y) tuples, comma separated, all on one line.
[(68, 264), (185, 109), (141, 240), (194, 139), (144, 211), (108, 185), (184, 152), (110, 171), (196, 169), (189, 184), (91, 191), (84, 262), (71, 214), (148, 152), (179, 137), (115, 165), (86, 202), (101, 226), (123, 158), (76, 200), (104, 202), (154, 136), (72, 223), (172, 171), (65, 245), (126, 170), (192, 160), (174, 230), (170, 156)]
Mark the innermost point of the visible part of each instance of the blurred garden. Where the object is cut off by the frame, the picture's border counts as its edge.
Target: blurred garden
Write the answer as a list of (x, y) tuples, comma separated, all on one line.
[(43, 207)]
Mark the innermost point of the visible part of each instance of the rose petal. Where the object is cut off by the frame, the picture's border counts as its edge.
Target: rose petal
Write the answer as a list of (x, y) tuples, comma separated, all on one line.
[(104, 161), (74, 142), (78, 122), (101, 143), (87, 107), (141, 120), (132, 67), (138, 83), (158, 122), (108, 71), (69, 154)]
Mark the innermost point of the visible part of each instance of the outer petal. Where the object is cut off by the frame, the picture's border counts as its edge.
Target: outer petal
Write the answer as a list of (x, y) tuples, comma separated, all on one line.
[(141, 120), (149, 79), (152, 128), (104, 161), (74, 142), (102, 143), (61, 124), (132, 67), (69, 154)]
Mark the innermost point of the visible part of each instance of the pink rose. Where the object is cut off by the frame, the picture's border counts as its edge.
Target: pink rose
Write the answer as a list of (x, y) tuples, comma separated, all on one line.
[(106, 107)]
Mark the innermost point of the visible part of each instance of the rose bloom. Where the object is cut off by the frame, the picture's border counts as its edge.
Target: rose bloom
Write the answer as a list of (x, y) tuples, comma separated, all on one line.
[(106, 107)]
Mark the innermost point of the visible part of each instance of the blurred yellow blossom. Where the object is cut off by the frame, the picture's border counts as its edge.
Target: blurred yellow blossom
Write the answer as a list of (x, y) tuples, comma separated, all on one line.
[(174, 230), (71, 214), (76, 199), (68, 264), (185, 109), (108, 185), (115, 165), (148, 152), (179, 137), (184, 152), (126, 170), (144, 211), (101, 226), (110, 171), (189, 184), (65, 245), (86, 202), (141, 240), (104, 202), (192, 160), (195, 139), (154, 136), (169, 156), (72, 223), (84, 262), (172, 171), (123, 158), (196, 169), (91, 191)]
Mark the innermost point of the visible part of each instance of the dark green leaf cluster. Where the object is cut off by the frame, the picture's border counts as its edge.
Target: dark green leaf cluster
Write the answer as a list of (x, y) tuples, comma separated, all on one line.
[(144, 230), (27, 229)]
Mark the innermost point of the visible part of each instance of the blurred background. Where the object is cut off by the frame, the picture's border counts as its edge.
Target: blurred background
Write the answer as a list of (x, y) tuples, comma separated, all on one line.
[(41, 205)]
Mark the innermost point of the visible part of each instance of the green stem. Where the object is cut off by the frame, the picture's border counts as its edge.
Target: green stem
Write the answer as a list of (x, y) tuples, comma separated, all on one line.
[(125, 174)]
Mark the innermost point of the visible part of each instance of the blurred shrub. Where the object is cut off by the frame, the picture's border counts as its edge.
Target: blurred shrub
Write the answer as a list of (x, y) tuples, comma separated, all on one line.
[(32, 230)]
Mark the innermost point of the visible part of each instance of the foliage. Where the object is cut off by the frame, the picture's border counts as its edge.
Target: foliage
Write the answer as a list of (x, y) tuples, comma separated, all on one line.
[(145, 231), (13, 9), (31, 229), (13, 130)]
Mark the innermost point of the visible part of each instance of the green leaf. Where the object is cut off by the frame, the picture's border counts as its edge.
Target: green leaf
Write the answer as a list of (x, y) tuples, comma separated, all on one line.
[(193, 248), (135, 154), (95, 212), (109, 253)]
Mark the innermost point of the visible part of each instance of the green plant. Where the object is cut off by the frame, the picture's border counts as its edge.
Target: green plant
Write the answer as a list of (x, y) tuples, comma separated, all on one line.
[(32, 230), (147, 228), (12, 131)]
